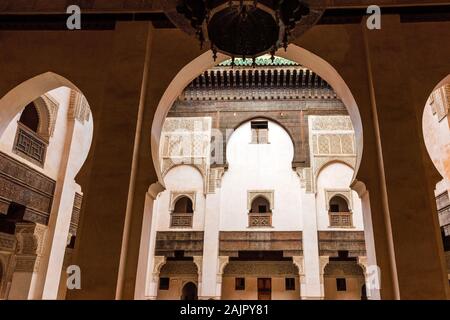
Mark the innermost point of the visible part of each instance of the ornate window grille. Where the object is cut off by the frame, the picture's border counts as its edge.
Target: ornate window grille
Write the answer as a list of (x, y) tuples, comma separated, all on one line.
[(29, 145), (260, 220), (181, 220), (341, 219)]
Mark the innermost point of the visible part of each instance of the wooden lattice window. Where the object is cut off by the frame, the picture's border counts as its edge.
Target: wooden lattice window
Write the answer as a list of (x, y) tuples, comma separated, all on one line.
[(260, 214), (28, 143), (182, 213), (339, 213)]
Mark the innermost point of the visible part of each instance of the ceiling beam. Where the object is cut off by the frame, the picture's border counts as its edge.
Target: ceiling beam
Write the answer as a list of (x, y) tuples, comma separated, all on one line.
[(150, 6)]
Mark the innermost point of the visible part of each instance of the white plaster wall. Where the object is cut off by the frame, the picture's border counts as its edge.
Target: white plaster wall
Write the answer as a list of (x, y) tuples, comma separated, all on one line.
[(336, 175), (260, 167), (437, 141), (181, 178)]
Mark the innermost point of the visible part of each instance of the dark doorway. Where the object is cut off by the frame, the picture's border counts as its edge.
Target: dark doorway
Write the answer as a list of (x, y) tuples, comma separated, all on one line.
[(30, 117), (363, 292), (189, 292), (264, 289)]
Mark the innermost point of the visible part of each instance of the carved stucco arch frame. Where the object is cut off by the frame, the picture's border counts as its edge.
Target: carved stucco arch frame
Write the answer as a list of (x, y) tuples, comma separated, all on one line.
[(47, 109), (177, 195), (266, 194)]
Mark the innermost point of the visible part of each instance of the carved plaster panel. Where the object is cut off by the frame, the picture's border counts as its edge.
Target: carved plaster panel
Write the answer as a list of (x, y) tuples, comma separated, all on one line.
[(267, 194), (261, 268), (345, 193), (175, 195)]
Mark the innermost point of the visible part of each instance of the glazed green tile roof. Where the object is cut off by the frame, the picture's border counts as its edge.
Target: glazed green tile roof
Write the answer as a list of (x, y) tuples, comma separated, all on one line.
[(263, 60)]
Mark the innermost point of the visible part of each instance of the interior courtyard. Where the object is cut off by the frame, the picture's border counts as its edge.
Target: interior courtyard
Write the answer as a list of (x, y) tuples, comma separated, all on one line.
[(154, 166)]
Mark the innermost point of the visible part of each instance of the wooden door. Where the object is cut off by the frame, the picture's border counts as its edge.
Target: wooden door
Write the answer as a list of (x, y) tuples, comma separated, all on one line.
[(264, 288)]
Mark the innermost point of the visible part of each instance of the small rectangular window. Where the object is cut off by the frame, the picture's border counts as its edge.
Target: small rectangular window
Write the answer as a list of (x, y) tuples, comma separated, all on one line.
[(290, 284), (239, 284), (341, 284), (260, 133), (262, 209), (164, 283)]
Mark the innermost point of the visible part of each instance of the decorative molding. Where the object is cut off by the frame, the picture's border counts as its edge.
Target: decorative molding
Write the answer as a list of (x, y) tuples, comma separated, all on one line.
[(198, 260), (299, 261), (7, 242), (330, 242), (222, 263), (21, 184), (264, 82), (323, 261), (440, 102), (215, 178), (175, 195), (158, 263), (47, 109), (344, 193), (363, 263), (30, 246), (75, 217), (167, 242), (78, 107), (321, 162), (186, 141), (261, 268), (231, 242), (267, 194), (343, 268), (331, 123)]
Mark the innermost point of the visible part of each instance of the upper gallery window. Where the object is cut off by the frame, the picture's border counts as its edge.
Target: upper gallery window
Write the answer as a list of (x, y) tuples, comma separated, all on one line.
[(260, 132), (339, 213), (260, 214), (182, 213), (28, 142)]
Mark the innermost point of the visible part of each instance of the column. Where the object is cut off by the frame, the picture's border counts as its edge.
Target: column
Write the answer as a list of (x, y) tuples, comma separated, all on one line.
[(30, 242), (211, 247), (103, 231), (399, 96), (147, 245), (61, 213), (311, 286)]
